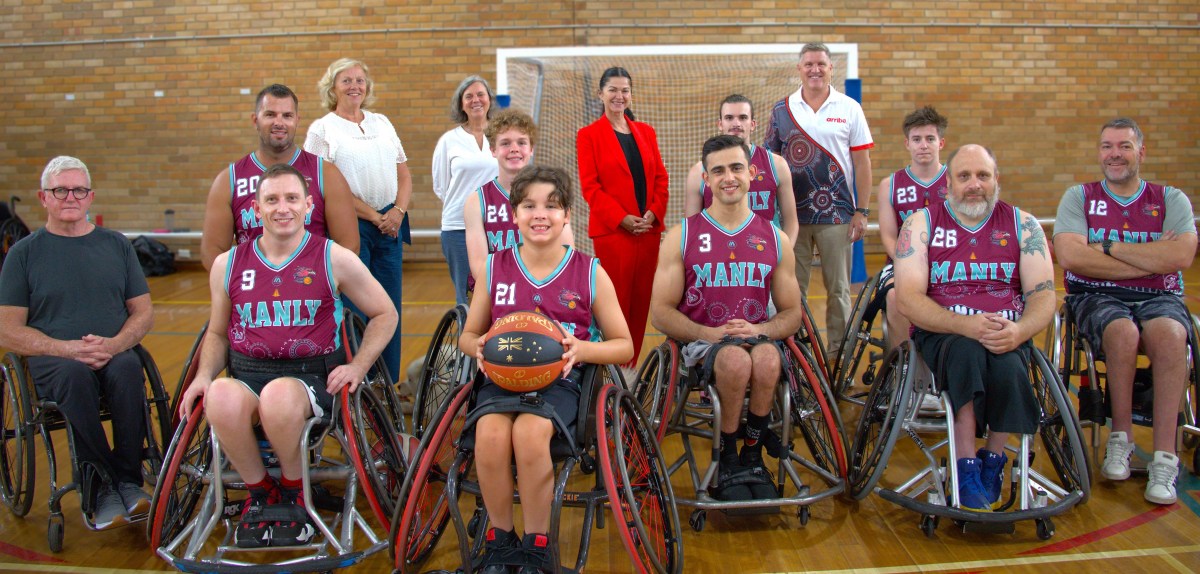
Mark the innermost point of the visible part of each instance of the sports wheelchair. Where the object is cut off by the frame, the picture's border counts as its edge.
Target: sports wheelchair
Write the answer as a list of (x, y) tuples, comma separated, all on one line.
[(862, 339), (358, 447), (611, 435), (12, 229), (1074, 355), (1039, 487), (26, 415), (677, 400), (445, 368)]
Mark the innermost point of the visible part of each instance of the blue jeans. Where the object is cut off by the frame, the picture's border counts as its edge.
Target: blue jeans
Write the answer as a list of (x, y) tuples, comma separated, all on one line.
[(454, 248), (383, 255)]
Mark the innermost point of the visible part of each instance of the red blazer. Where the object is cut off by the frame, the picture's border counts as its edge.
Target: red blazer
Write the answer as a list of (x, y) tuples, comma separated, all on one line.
[(606, 181)]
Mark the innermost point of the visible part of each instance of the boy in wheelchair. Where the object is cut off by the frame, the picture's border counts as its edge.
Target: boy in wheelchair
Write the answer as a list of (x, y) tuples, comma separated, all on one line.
[(276, 311), (534, 276), (974, 277), (716, 272)]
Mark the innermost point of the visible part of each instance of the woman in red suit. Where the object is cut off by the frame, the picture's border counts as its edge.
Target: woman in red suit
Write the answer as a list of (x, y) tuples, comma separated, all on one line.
[(624, 183)]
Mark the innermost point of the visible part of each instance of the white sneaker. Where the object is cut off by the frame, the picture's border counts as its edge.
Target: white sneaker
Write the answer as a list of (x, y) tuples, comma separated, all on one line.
[(931, 405), (1163, 471), (1116, 457)]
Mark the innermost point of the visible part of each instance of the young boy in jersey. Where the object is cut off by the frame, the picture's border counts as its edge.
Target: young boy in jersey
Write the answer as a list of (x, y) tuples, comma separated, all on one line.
[(276, 320), (543, 275), (716, 272), (770, 194), (909, 190), (490, 223)]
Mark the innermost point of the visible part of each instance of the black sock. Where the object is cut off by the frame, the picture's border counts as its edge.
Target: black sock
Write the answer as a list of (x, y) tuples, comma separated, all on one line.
[(729, 446), (755, 425)]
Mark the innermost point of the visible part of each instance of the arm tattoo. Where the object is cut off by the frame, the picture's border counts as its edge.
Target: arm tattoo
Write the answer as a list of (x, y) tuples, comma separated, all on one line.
[(1036, 242), (1043, 286), (904, 246)]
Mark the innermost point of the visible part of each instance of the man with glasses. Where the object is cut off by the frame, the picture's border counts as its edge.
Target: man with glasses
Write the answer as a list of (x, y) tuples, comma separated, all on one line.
[(74, 301)]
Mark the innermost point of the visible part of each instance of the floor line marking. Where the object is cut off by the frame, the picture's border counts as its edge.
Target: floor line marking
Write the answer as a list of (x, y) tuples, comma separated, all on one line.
[(1107, 531), (26, 554), (1008, 562)]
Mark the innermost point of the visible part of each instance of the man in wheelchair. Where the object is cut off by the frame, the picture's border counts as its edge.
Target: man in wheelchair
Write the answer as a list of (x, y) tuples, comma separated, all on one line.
[(533, 276), (1124, 243), (275, 318), (974, 277), (717, 271), (77, 324)]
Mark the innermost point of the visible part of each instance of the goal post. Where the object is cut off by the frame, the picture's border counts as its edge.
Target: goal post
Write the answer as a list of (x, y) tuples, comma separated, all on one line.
[(676, 89)]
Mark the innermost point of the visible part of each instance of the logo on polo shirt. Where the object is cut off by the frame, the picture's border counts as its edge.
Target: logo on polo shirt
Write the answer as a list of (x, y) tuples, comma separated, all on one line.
[(836, 120)]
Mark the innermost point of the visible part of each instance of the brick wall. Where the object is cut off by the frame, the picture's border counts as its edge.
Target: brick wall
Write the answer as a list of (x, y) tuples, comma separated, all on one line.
[(1032, 80)]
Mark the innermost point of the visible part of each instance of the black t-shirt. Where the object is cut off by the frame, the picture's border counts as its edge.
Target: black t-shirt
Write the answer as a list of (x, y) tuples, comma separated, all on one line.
[(73, 286), (633, 157)]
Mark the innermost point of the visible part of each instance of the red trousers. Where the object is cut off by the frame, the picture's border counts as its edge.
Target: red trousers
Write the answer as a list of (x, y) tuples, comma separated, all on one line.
[(630, 260)]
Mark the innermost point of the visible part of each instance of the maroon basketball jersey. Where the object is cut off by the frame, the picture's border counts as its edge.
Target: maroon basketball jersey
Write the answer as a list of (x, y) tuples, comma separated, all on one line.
[(285, 312), (1136, 219), (243, 182), (498, 222), (910, 194), (763, 195), (976, 270), (727, 273), (565, 295)]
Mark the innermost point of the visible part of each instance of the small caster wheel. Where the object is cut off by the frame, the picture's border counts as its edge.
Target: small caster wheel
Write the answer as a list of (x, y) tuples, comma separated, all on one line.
[(54, 532), (1045, 529), (474, 524), (805, 514), (929, 525), (697, 520)]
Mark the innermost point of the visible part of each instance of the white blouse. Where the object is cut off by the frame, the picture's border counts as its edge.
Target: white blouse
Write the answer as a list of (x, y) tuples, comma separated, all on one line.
[(366, 157), (459, 168)]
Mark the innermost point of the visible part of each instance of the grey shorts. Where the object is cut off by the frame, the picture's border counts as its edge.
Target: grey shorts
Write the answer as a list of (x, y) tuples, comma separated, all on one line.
[(1094, 311)]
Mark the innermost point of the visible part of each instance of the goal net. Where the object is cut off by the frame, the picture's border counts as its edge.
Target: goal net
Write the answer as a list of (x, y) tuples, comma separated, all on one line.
[(676, 89)]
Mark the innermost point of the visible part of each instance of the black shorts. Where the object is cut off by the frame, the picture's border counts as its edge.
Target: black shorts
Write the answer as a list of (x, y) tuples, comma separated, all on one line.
[(1094, 311), (312, 372), (562, 395)]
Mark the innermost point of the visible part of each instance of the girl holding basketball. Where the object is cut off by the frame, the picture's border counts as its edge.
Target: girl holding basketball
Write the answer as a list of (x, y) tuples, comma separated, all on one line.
[(569, 287)]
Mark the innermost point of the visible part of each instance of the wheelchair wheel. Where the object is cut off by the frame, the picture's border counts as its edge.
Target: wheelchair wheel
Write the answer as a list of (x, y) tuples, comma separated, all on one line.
[(656, 383), (187, 374), (1191, 407), (882, 416), (16, 456), (812, 338), (378, 378), (639, 490), (181, 483), (11, 231), (160, 424), (815, 412), (858, 338), (378, 459), (1059, 428), (445, 369), (421, 518)]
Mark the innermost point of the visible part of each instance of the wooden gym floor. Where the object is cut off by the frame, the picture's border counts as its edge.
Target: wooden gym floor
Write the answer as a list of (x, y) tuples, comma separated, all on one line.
[(1115, 531)]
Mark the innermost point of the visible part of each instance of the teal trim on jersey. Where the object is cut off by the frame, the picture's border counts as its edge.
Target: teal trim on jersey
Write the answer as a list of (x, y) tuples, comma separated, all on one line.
[(954, 216), (726, 230), (320, 179), (683, 236), (496, 180), (338, 315), (1121, 200), (231, 182), (778, 243), (286, 262), (928, 224), (333, 286), (553, 274), (254, 158), (482, 209), (594, 334), (1017, 225), (488, 285), (908, 170), (229, 266)]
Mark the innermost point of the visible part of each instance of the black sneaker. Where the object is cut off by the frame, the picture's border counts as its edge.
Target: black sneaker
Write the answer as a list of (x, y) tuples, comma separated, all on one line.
[(500, 550), (751, 458), (298, 529), (537, 554), (253, 531)]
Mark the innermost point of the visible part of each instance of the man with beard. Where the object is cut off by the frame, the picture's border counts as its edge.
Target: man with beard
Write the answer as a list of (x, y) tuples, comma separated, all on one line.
[(974, 277), (1124, 243), (228, 213)]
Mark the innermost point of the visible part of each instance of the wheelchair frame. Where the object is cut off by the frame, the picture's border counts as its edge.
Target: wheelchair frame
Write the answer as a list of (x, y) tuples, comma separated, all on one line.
[(445, 369), (869, 305)]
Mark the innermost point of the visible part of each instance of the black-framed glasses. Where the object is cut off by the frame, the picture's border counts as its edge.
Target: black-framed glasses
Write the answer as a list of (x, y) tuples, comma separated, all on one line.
[(60, 193)]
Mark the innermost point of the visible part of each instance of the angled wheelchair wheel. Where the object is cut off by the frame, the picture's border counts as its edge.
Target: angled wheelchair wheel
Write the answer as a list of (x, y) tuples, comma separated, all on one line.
[(815, 411), (1059, 427), (1191, 407), (421, 518), (639, 490), (378, 458), (657, 380), (187, 374), (160, 423), (16, 453), (181, 482), (858, 339), (378, 378), (445, 369), (812, 339), (882, 416), (12, 230)]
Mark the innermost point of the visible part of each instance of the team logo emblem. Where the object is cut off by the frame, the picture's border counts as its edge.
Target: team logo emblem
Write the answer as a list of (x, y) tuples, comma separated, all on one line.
[(304, 276), (756, 243), (1151, 209), (569, 299), (277, 281), (1125, 212), (1000, 237), (973, 242), (693, 297)]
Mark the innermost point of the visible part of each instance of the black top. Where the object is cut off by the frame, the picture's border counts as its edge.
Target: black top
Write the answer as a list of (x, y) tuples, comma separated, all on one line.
[(633, 157)]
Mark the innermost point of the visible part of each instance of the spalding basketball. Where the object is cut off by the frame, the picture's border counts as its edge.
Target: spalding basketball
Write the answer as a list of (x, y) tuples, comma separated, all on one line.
[(523, 352)]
